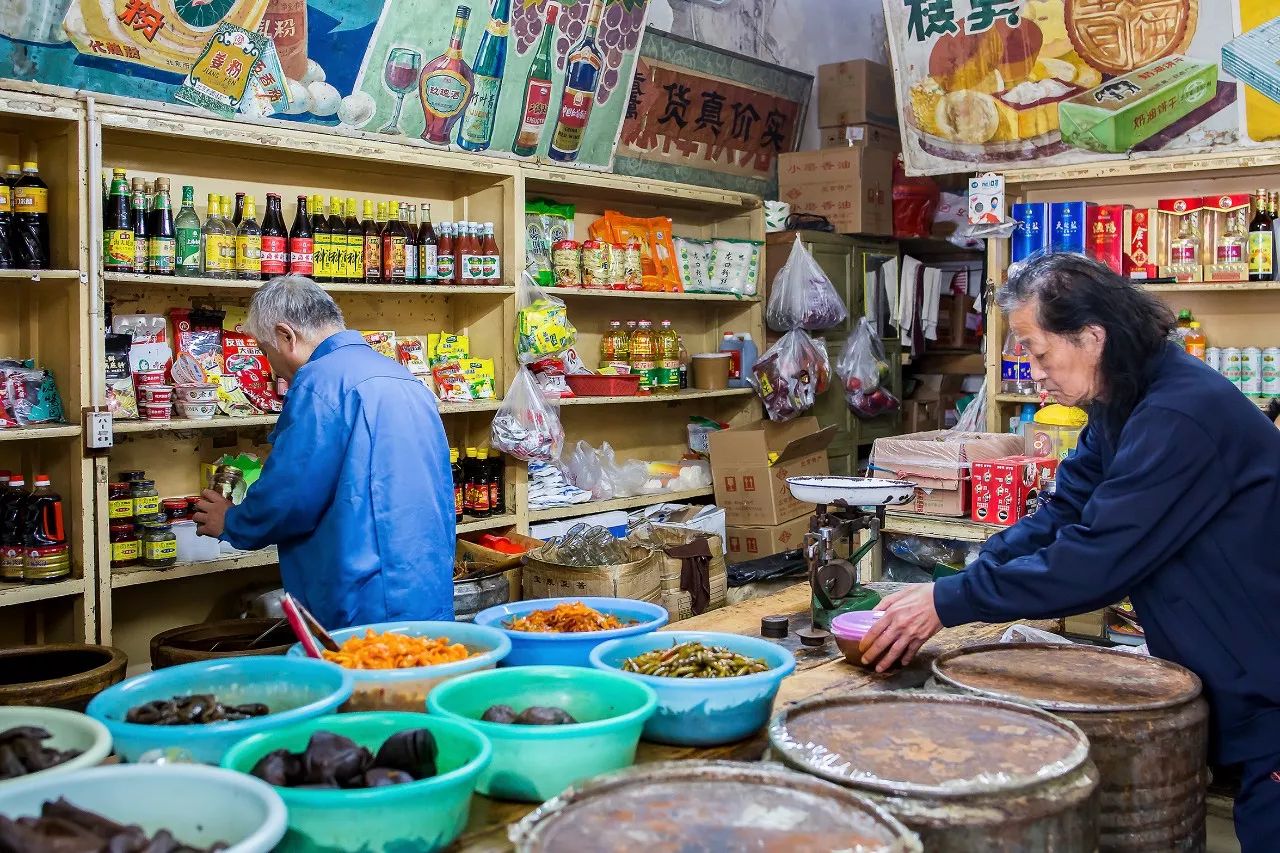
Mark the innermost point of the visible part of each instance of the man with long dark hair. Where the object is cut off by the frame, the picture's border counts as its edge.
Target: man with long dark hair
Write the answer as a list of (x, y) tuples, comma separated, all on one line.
[(1169, 499)]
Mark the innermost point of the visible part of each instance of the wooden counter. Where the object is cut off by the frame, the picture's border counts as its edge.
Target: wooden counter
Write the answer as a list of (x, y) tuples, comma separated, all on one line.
[(817, 672)]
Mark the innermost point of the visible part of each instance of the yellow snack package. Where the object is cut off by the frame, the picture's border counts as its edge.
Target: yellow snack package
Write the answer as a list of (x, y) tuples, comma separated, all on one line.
[(480, 377)]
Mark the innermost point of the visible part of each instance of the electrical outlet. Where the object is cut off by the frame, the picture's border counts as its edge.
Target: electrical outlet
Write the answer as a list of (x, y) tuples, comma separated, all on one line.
[(97, 430)]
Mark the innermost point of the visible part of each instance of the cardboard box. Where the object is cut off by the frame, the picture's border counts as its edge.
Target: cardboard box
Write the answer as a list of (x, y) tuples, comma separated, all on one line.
[(921, 415), (1067, 223), (847, 135), (1005, 490), (640, 579), (751, 543), (851, 186), (1031, 231), (1142, 250), (858, 91), (753, 492), (1105, 242), (939, 464)]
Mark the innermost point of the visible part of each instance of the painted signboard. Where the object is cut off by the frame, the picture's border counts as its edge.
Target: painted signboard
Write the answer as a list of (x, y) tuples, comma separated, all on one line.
[(988, 84), (528, 79)]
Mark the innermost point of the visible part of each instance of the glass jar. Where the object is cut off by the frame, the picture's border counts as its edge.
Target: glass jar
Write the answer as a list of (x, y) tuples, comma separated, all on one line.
[(126, 545), (159, 546), (225, 479), (176, 509), (131, 476), (146, 500), (119, 501)]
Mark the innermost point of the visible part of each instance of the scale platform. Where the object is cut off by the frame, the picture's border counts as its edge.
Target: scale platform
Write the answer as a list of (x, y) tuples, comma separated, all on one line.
[(851, 491)]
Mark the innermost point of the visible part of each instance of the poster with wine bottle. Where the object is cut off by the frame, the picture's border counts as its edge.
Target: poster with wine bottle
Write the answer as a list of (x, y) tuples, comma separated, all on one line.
[(529, 79)]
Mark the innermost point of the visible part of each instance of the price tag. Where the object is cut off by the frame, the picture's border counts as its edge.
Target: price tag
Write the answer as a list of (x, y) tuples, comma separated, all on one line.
[(97, 430), (986, 199)]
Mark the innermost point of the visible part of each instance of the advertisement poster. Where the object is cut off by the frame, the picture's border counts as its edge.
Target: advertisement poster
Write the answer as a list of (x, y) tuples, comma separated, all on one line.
[(1006, 84), (528, 79)]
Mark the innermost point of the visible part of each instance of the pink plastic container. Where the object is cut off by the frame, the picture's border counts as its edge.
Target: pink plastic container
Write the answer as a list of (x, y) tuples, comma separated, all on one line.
[(849, 629)]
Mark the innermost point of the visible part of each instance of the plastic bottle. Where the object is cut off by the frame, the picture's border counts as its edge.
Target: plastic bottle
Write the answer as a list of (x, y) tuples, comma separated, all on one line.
[(44, 525), (732, 344), (644, 354), (458, 484), (497, 484), (1184, 325), (668, 374), (30, 233), (1195, 341), (1015, 367), (11, 514), (748, 360), (684, 366)]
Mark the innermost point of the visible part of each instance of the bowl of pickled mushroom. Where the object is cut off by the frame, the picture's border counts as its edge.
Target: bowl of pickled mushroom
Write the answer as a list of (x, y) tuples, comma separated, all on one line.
[(44, 741), (196, 711), (550, 726), (563, 631), (396, 664), (712, 688), (373, 781)]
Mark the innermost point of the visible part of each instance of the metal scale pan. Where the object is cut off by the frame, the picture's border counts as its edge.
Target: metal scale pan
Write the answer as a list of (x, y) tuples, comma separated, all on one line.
[(851, 491)]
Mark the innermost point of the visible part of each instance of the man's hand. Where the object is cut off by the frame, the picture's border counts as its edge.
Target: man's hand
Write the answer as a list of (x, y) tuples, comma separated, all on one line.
[(211, 513), (909, 621)]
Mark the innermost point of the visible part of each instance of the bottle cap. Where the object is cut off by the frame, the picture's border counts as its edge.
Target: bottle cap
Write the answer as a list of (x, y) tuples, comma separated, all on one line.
[(13, 167), (42, 479), (1195, 324), (29, 166), (471, 451), (16, 480)]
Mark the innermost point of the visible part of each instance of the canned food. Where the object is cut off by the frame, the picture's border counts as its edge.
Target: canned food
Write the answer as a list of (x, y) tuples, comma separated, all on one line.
[(595, 264), (566, 261), (1251, 371), (1271, 372), (632, 271), (1213, 358), (1231, 365)]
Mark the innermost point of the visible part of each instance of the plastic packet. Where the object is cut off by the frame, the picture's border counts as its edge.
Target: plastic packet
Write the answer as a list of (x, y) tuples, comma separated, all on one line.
[(542, 323), (735, 266), (451, 383), (865, 371), (527, 425), (549, 374), (802, 296), (197, 332), (150, 349), (245, 363), (382, 342), (479, 375), (122, 402), (694, 260), (411, 351), (32, 397), (791, 374), (546, 223), (447, 346)]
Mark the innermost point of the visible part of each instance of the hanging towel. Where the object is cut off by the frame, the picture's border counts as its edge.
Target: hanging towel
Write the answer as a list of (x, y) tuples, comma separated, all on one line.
[(904, 307), (929, 305), (695, 571)]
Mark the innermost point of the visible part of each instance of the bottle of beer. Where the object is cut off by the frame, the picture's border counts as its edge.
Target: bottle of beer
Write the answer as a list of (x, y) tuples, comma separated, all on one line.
[(372, 273), (7, 261), (161, 240), (393, 244), (409, 218), (323, 242), (187, 226), (428, 243), (31, 219), (249, 243), (338, 271), (301, 242), (138, 217), (275, 240), (1261, 240), (355, 243), (239, 214)]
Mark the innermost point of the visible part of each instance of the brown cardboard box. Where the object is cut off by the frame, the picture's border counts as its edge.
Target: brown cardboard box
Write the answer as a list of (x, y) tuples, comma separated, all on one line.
[(938, 463), (748, 488), (921, 415), (856, 92), (846, 135), (750, 543), (851, 186)]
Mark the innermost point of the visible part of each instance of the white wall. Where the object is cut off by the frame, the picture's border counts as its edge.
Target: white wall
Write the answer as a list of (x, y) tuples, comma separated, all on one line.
[(799, 34)]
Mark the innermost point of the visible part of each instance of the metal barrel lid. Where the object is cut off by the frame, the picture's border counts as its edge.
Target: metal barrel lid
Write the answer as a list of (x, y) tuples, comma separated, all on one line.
[(697, 806), (1067, 677), (912, 743)]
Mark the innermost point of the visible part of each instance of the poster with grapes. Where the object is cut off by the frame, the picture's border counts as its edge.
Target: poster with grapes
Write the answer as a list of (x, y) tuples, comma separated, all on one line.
[(529, 79)]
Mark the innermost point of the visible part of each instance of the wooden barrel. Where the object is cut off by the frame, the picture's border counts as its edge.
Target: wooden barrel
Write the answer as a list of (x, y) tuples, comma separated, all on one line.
[(223, 639), (710, 805), (1147, 725), (60, 675), (966, 773)]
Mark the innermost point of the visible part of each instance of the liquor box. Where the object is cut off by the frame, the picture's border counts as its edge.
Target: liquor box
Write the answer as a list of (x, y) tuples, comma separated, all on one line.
[(1031, 232), (1067, 222), (1141, 243), (856, 92), (939, 463), (851, 186), (1226, 216), (1005, 490), (1171, 216), (1106, 234)]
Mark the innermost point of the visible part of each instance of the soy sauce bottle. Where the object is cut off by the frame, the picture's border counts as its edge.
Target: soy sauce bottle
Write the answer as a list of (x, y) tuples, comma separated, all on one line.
[(458, 485), (301, 242), (322, 243), (30, 238), (7, 261)]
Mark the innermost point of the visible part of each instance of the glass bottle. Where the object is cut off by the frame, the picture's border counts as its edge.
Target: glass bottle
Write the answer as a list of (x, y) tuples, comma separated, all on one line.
[(275, 240), (161, 239), (117, 227), (159, 544), (1183, 248), (372, 272), (1015, 367), (537, 91), (187, 229), (1261, 241), (126, 545), (31, 218), (428, 245), (492, 257), (355, 242), (446, 262), (238, 216), (582, 76), (409, 222), (475, 132), (445, 85), (138, 217), (458, 484), (338, 271), (215, 238), (393, 247), (462, 253), (249, 243), (322, 243), (301, 242), (146, 500), (497, 484), (1231, 246)]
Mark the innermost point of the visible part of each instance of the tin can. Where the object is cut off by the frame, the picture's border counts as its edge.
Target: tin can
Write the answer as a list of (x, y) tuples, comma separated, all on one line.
[(566, 261), (1271, 372), (1213, 358), (632, 271), (595, 264), (1251, 371), (1231, 364)]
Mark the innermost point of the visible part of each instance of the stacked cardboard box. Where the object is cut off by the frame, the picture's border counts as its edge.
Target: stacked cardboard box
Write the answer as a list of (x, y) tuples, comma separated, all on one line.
[(939, 463)]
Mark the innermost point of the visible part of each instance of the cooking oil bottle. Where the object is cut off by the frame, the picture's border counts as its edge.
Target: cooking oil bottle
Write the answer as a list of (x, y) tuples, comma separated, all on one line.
[(615, 348), (644, 354), (668, 374)]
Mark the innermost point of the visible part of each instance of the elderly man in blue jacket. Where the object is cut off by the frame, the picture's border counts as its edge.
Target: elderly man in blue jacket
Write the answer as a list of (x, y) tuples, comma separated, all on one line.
[(1171, 499), (357, 491)]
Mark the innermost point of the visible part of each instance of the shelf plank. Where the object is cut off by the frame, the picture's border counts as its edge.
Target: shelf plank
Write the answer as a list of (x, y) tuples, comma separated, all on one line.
[(251, 559), (650, 294), (238, 284), (25, 593), (1212, 286), (914, 524), (491, 523), (1022, 398), (688, 394), (38, 275), (618, 503), (39, 431), (222, 422)]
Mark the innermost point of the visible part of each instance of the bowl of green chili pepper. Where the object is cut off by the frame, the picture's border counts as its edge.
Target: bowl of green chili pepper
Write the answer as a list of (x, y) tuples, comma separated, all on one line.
[(712, 688)]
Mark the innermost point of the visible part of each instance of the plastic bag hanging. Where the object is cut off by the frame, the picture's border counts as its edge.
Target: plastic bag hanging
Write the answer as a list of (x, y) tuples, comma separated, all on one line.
[(865, 372), (542, 323), (527, 425), (802, 297), (791, 374)]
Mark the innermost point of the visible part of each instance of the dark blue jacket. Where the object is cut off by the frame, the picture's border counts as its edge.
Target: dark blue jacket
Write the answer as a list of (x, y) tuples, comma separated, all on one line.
[(1182, 514)]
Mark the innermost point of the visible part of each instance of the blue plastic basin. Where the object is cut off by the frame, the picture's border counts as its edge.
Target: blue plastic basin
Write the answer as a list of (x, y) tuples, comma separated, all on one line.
[(529, 648)]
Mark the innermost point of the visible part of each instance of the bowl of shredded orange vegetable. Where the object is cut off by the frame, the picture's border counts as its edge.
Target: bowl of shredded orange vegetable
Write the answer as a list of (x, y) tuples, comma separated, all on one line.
[(563, 631), (396, 664)]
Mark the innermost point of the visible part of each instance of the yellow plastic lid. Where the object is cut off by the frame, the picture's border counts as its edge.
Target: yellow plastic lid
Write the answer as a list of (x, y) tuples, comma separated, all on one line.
[(29, 166), (1056, 414)]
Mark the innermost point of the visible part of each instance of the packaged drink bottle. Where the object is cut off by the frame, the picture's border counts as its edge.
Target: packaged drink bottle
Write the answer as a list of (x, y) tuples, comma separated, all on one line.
[(322, 243), (428, 247), (497, 484), (537, 91), (12, 511), (138, 218), (372, 273), (249, 243), (117, 227), (302, 245), (393, 246), (1195, 341), (446, 263), (7, 259), (162, 245), (275, 240), (338, 269), (187, 230), (409, 220), (1179, 334), (475, 131), (644, 354), (492, 257), (458, 484), (668, 375), (30, 238), (238, 216), (1015, 367), (355, 242)]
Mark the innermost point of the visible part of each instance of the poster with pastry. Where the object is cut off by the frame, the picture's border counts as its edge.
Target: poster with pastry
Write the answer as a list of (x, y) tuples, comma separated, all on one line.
[(1005, 84)]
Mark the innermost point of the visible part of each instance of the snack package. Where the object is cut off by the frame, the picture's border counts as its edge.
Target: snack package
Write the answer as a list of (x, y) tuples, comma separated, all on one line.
[(527, 425), (546, 223), (451, 383), (122, 402), (150, 349), (802, 296), (383, 343), (735, 267), (542, 323), (791, 374), (549, 374), (864, 370), (245, 365), (447, 346), (479, 375), (411, 351), (197, 332), (31, 396), (659, 265), (694, 260)]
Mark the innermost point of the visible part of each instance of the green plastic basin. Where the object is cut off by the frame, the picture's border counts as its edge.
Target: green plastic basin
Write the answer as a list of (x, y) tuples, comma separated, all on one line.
[(421, 816), (534, 763)]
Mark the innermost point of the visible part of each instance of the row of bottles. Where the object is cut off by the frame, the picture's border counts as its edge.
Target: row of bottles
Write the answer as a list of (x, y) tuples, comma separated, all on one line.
[(24, 219), (659, 357), (33, 538), (1264, 237), (479, 487)]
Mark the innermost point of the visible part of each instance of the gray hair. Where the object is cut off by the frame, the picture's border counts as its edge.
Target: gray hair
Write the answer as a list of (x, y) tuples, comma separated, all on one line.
[(296, 301)]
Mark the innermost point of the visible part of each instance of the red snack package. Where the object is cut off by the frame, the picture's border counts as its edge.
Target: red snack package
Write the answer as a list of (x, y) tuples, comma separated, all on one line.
[(245, 362)]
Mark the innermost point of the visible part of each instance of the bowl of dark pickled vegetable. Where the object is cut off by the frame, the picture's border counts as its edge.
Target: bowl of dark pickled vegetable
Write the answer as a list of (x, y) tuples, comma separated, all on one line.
[(46, 741), (378, 781), (196, 711), (177, 808), (712, 688)]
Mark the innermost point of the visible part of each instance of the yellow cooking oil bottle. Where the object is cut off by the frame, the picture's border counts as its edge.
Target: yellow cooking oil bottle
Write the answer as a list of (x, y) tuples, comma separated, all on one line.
[(668, 381), (644, 354)]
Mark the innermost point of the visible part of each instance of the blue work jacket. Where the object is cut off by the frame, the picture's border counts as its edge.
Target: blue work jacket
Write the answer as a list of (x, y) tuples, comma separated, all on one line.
[(356, 492), (1179, 514)]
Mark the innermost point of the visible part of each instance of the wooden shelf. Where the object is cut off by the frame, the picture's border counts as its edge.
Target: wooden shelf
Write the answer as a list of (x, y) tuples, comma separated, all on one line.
[(476, 525), (651, 294), (474, 406), (252, 559), (940, 527), (238, 284), (39, 431), (224, 422), (38, 275), (618, 503), (25, 593), (1022, 398), (680, 396), (1212, 286)]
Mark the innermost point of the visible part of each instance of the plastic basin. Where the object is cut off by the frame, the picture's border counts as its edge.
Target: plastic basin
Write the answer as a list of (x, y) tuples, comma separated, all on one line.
[(407, 689), (199, 805), (850, 628), (295, 689), (703, 711), (421, 816), (534, 763), (533, 649), (70, 730)]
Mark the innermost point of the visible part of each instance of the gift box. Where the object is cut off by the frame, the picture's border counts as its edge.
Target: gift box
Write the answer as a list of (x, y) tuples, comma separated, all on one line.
[(1005, 490)]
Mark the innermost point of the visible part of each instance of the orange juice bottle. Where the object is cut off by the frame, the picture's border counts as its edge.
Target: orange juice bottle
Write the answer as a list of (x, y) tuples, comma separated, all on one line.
[(1195, 341)]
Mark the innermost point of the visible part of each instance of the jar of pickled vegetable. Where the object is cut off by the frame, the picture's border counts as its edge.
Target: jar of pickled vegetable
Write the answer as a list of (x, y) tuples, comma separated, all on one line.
[(176, 509), (159, 546), (126, 545), (146, 500), (119, 501)]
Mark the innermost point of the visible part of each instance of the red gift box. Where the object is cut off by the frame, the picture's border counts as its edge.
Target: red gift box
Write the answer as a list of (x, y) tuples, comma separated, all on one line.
[(1004, 490), (1105, 240)]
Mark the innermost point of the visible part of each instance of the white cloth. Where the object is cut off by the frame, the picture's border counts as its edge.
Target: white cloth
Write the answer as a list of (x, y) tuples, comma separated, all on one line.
[(904, 316), (929, 305)]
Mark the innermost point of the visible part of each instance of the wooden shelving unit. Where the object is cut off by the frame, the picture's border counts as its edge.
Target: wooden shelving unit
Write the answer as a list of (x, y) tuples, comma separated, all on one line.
[(134, 576), (39, 431), (655, 295), (493, 522), (240, 284), (10, 276), (939, 527), (678, 397), (618, 503)]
